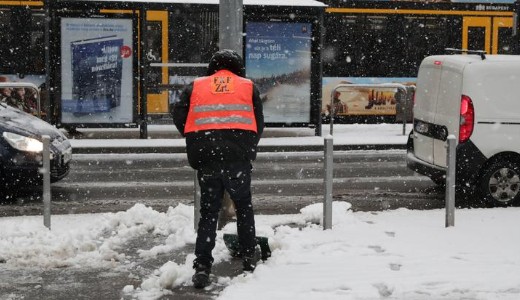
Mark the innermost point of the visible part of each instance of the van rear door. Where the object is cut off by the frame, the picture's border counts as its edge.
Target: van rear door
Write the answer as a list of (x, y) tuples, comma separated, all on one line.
[(425, 106), (447, 116)]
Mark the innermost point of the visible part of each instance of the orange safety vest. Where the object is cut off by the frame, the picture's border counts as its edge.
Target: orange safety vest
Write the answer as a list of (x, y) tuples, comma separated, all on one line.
[(221, 101)]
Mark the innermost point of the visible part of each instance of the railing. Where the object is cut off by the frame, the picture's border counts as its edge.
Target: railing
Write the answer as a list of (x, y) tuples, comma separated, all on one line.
[(405, 98), (25, 85)]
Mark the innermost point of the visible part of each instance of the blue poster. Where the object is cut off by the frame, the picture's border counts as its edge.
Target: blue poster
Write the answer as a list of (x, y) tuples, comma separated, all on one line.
[(96, 71), (278, 60), (96, 75)]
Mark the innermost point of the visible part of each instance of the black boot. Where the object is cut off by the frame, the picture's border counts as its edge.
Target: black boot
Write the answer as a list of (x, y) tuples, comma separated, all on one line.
[(249, 263), (201, 277)]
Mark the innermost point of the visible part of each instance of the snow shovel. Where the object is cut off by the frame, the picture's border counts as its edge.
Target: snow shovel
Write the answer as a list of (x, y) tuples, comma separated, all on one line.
[(231, 241)]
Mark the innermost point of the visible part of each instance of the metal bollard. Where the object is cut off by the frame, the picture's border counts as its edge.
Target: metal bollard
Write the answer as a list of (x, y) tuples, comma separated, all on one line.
[(46, 170), (405, 111), (450, 181), (404, 122), (196, 202), (327, 200)]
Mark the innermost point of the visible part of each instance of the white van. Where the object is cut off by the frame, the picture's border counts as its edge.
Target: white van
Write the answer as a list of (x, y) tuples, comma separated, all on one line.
[(477, 99)]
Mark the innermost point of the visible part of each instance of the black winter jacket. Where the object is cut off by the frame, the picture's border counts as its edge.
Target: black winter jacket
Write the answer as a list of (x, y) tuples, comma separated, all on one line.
[(209, 147)]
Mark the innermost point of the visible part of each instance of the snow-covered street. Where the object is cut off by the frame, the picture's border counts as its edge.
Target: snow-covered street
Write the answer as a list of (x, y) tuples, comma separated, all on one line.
[(400, 254)]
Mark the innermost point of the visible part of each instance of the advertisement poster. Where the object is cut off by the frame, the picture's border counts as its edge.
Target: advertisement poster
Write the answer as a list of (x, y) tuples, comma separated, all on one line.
[(96, 70), (362, 101), (278, 60)]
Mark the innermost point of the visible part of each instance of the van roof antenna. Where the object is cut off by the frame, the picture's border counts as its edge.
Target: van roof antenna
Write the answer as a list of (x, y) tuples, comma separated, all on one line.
[(482, 53)]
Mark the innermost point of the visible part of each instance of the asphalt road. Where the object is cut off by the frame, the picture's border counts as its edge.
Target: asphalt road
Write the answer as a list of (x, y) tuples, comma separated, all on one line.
[(282, 183)]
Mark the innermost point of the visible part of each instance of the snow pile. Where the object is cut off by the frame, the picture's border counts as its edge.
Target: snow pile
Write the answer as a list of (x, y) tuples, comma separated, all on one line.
[(90, 240), (398, 254), (73, 239)]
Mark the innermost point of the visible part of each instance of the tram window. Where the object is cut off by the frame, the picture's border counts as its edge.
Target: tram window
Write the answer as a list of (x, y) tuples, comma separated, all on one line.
[(364, 46), (377, 49), (22, 46), (385, 45), (36, 51), (153, 41), (193, 36), (153, 52), (5, 53), (430, 35), (476, 38), (336, 47), (505, 40)]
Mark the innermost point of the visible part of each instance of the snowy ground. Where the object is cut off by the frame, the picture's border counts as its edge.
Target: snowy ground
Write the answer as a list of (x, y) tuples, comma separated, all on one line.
[(401, 254)]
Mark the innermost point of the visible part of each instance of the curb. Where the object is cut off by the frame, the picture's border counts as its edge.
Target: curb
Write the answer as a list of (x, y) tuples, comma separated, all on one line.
[(285, 148)]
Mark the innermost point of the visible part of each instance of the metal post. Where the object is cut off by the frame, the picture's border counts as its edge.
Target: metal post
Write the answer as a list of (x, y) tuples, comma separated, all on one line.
[(196, 201), (516, 28), (450, 181), (143, 127), (327, 201), (405, 104), (231, 14), (319, 95), (46, 92), (46, 181), (331, 111)]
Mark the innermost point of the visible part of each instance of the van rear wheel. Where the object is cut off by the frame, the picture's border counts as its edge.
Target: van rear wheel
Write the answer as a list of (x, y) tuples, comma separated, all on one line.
[(500, 183)]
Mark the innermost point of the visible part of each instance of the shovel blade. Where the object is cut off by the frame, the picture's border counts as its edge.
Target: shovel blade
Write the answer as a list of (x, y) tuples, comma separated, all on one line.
[(231, 241)]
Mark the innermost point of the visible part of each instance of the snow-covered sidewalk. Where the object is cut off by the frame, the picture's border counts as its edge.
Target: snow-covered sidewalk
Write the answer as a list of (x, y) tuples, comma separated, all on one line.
[(400, 254), (343, 134)]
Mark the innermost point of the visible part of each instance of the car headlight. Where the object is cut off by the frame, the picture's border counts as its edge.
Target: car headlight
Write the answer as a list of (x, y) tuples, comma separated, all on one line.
[(23, 143)]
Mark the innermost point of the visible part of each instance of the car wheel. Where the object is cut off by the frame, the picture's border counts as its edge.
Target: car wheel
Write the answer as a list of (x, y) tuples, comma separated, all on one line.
[(409, 143), (500, 183)]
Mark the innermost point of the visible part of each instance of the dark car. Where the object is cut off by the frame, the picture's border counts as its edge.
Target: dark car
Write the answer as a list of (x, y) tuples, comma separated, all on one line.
[(21, 149)]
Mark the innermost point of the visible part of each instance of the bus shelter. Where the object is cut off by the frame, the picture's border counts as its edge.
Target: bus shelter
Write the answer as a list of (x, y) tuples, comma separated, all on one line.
[(106, 69)]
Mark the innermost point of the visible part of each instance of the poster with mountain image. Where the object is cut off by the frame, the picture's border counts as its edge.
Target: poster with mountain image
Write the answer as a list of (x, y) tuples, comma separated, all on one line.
[(278, 60)]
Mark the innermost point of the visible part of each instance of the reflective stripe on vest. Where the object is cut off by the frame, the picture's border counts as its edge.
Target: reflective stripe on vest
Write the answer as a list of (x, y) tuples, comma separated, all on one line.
[(217, 107), (221, 101)]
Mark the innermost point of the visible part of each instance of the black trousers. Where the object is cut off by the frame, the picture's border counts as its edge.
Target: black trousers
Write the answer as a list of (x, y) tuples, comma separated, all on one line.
[(235, 178)]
